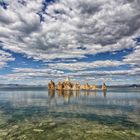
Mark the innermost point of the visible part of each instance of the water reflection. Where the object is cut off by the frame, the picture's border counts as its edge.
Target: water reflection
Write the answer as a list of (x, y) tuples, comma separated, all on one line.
[(67, 94), (104, 93), (43, 98), (82, 104)]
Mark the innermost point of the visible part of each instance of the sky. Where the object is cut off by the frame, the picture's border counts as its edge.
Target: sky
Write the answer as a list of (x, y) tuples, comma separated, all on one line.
[(86, 40)]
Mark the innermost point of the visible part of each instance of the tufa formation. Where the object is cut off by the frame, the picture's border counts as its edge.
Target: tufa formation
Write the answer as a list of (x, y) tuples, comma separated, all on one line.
[(68, 85)]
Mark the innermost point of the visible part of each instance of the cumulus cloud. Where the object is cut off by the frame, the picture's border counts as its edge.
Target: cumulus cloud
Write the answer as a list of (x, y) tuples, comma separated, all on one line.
[(85, 65), (133, 58), (4, 58), (30, 73), (31, 76), (69, 29), (43, 75), (132, 72), (69, 26)]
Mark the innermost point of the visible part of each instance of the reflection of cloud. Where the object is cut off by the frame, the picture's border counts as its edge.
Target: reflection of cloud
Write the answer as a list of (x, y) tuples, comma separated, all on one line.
[(83, 102)]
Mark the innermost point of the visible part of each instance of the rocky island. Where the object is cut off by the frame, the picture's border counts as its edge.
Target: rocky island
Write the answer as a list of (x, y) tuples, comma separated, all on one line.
[(68, 85)]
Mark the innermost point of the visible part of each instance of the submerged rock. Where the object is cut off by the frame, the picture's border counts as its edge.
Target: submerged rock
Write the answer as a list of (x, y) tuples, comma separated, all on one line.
[(67, 129), (52, 124), (38, 130), (3, 133)]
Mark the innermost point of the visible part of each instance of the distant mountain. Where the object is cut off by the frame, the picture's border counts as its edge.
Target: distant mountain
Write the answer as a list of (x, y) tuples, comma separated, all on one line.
[(21, 86), (9, 86), (134, 85), (119, 86)]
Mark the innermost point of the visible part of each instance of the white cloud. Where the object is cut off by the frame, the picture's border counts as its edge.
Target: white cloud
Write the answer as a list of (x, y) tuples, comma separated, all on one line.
[(31, 76), (133, 58), (42, 76), (28, 73), (71, 29), (97, 26), (85, 65), (4, 58)]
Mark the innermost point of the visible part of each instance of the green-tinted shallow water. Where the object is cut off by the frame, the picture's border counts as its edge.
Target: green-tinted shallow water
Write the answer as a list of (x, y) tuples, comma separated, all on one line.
[(41, 115)]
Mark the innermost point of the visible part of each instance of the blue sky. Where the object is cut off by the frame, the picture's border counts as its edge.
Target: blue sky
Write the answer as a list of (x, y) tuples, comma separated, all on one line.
[(89, 41)]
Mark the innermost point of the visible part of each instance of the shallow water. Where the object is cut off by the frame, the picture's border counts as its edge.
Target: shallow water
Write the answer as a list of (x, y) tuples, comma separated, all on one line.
[(40, 114)]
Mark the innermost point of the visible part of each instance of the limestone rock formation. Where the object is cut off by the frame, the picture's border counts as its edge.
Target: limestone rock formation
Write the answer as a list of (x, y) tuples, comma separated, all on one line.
[(104, 87), (59, 86), (51, 85), (68, 85), (87, 86), (76, 86), (93, 87)]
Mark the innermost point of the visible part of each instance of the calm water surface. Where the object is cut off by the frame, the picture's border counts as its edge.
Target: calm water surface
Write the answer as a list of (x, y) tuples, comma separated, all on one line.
[(116, 108)]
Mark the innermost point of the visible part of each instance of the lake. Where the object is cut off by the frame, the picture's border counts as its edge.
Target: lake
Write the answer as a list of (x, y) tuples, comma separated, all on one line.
[(39, 114)]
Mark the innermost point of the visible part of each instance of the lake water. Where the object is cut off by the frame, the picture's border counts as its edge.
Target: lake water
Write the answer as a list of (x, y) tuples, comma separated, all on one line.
[(40, 114)]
